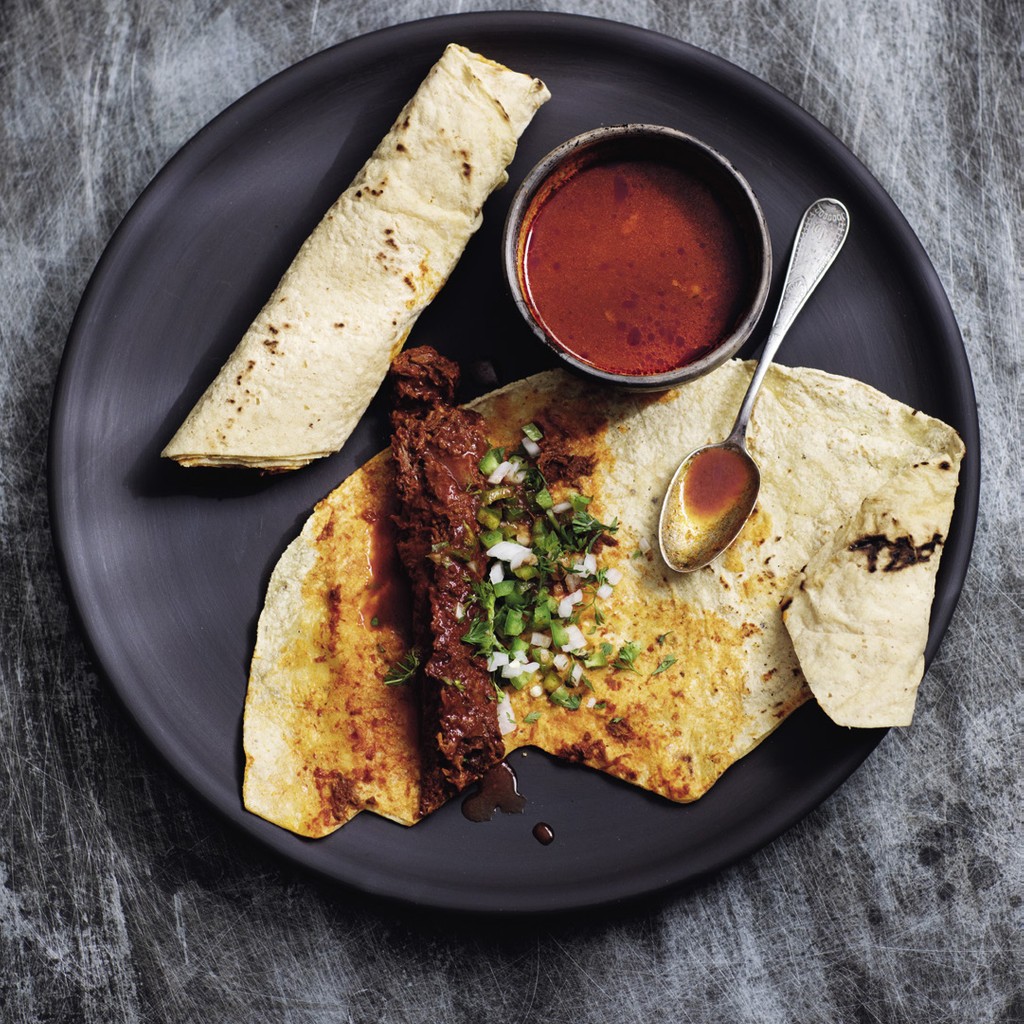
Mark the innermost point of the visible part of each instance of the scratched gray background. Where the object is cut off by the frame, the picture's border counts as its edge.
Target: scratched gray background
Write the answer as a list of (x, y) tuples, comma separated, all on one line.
[(124, 899)]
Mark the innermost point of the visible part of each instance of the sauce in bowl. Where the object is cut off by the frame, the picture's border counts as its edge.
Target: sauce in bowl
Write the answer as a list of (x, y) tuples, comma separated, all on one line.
[(635, 266), (639, 255)]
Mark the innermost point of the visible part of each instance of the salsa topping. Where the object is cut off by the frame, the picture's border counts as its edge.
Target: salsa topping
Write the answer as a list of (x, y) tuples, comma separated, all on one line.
[(537, 610)]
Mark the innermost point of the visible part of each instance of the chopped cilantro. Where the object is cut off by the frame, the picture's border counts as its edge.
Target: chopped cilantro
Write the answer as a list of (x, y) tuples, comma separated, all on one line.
[(531, 717), (403, 670), (563, 697), (627, 656), (667, 662), (480, 634)]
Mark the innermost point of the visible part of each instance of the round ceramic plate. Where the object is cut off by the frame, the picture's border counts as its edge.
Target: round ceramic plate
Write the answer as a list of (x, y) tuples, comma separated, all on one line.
[(167, 568)]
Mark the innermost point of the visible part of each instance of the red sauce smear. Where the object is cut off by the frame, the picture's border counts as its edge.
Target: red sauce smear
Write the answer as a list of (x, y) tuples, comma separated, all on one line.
[(715, 481), (634, 267), (386, 601)]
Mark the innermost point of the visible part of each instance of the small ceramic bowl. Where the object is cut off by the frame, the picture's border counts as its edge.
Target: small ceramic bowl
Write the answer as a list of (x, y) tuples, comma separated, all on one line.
[(639, 255)]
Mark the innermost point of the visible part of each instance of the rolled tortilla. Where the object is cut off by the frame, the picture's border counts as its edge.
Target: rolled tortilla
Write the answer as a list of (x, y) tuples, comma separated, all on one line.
[(308, 366)]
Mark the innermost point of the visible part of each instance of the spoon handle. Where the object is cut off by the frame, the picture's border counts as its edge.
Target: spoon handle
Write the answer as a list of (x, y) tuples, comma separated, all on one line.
[(819, 238)]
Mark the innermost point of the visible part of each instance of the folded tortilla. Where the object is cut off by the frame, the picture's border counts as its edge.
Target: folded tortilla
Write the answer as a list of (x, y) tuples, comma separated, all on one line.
[(308, 366), (717, 670), (858, 612)]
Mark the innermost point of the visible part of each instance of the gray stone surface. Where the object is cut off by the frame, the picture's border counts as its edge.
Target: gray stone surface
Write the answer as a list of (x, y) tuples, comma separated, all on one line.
[(124, 898)]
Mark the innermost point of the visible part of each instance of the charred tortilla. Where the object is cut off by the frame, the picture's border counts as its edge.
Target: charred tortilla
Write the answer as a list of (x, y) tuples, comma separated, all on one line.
[(714, 669)]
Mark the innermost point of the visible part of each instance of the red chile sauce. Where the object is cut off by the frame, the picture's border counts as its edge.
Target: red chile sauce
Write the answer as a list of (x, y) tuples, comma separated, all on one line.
[(634, 267), (715, 481), (387, 601)]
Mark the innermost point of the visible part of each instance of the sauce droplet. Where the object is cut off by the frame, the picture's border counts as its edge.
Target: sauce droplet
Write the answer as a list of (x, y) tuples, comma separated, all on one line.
[(499, 791), (543, 833)]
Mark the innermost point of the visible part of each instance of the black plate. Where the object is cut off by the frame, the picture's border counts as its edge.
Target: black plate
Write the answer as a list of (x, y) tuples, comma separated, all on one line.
[(167, 567)]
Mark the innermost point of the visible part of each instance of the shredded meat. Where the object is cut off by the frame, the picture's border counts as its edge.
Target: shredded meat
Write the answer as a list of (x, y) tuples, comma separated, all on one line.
[(437, 448)]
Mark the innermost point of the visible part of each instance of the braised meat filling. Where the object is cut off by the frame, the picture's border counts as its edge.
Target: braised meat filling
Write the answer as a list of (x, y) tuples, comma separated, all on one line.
[(437, 448)]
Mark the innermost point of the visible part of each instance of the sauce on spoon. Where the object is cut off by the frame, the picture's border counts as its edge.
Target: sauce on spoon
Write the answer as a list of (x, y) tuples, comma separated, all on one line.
[(714, 490)]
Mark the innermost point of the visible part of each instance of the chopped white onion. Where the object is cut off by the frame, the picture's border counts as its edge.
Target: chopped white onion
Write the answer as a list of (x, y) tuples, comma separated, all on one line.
[(565, 606), (613, 576), (644, 544), (588, 566), (500, 473), (497, 573), (512, 669), (513, 553), (540, 640), (496, 660), (521, 656), (506, 716), (536, 690), (561, 662), (591, 701), (577, 641), (460, 611), (577, 673), (531, 447), (604, 591), (562, 506)]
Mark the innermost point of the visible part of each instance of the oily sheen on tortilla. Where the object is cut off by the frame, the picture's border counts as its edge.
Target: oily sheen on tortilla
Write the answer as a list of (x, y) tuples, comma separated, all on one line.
[(305, 370), (716, 671)]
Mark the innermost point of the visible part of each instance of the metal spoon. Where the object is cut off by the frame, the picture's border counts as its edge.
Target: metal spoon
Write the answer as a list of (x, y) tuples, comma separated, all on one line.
[(714, 489)]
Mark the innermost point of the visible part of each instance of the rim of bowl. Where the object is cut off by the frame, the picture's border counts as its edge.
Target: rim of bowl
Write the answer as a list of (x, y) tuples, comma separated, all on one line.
[(548, 166)]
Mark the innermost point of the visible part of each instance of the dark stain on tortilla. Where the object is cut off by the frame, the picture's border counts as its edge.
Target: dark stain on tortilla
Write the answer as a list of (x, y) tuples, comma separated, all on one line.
[(902, 552)]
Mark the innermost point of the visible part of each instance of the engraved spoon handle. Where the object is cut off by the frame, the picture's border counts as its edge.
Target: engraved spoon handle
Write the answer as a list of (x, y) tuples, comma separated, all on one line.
[(819, 238)]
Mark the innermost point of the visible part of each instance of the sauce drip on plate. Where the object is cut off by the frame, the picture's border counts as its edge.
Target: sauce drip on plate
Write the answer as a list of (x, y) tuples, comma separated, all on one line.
[(634, 266), (543, 833), (499, 791)]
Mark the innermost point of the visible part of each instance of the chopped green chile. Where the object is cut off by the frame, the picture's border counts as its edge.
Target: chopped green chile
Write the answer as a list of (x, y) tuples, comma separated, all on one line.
[(491, 461)]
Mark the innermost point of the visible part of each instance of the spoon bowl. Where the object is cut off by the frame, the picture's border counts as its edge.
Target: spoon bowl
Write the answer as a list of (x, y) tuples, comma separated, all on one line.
[(715, 488)]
